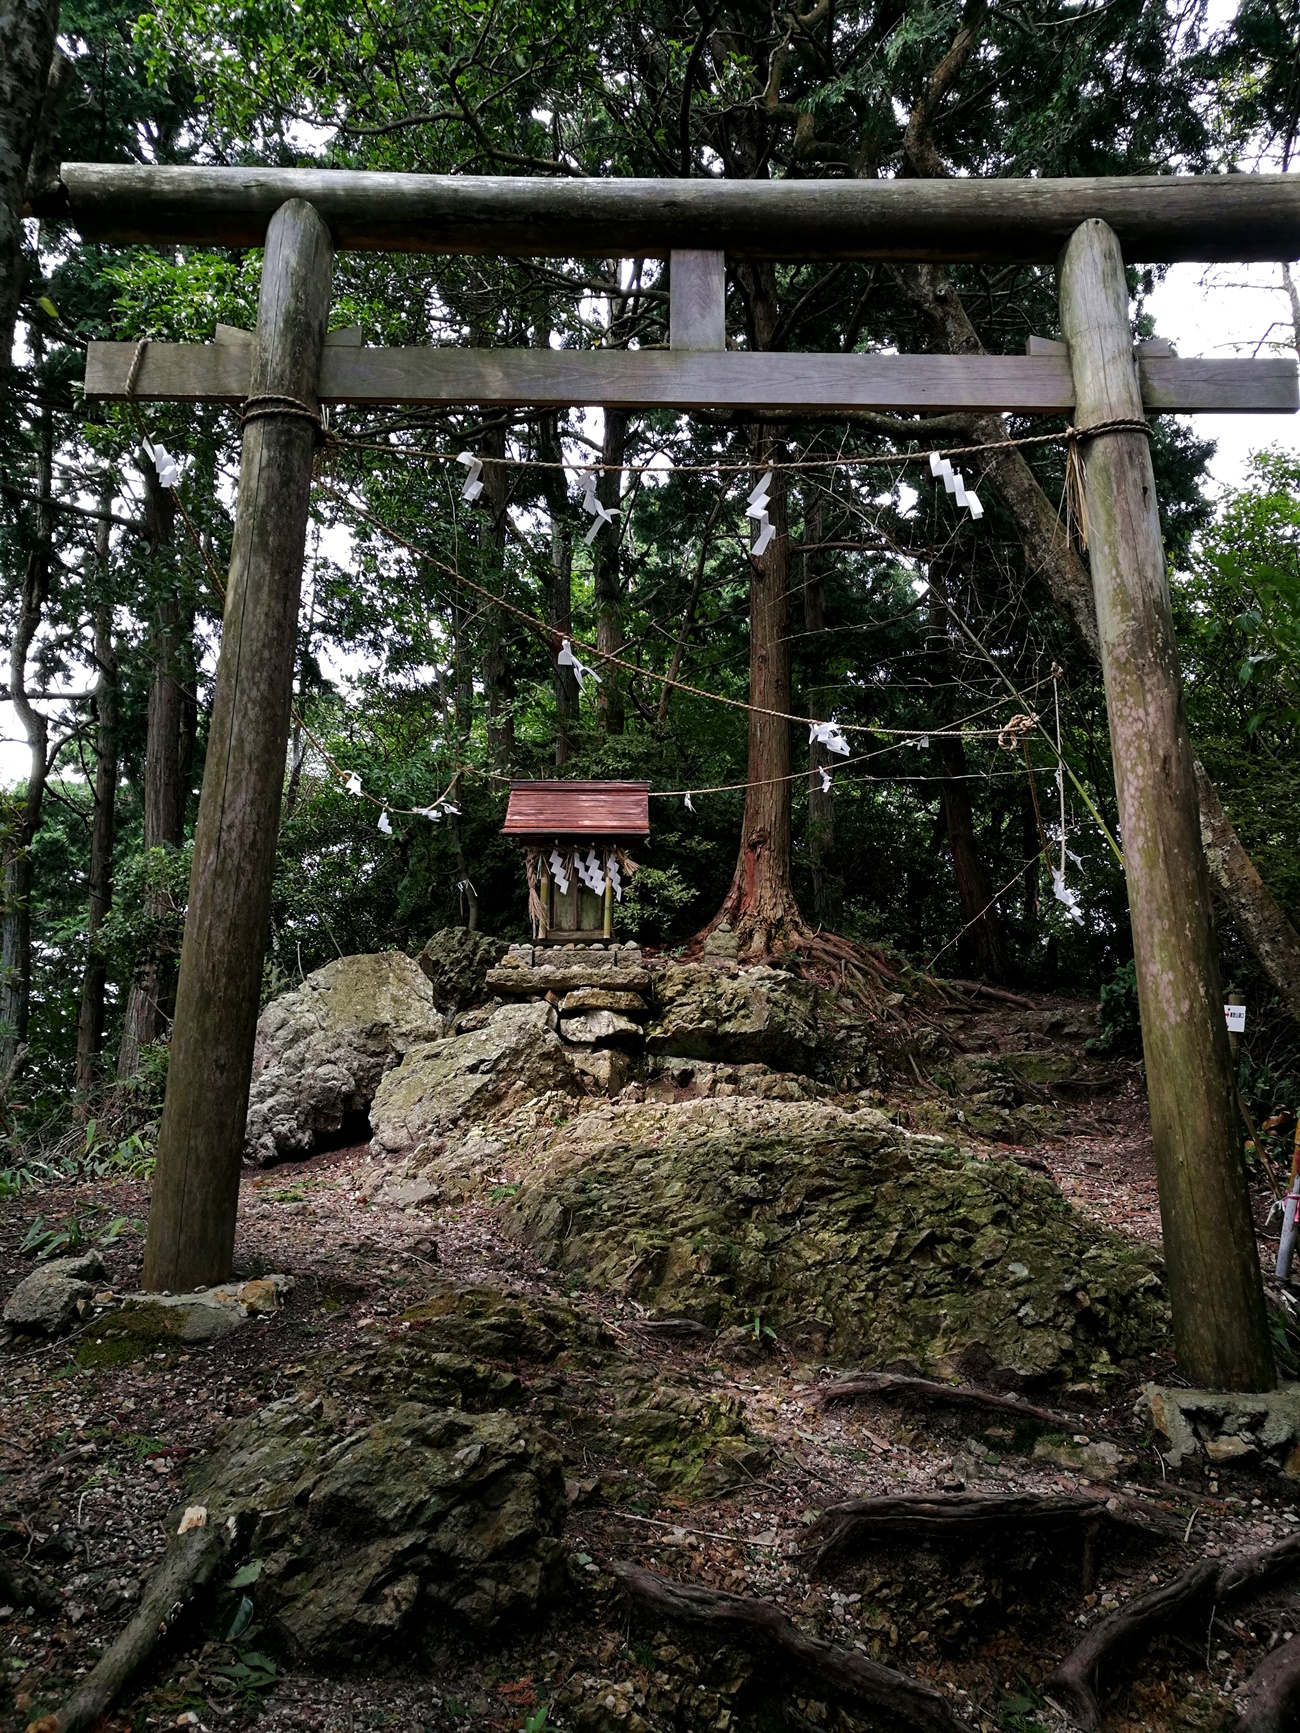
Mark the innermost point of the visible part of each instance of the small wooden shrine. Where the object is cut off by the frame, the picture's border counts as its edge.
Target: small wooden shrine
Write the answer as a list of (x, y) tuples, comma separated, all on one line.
[(573, 834)]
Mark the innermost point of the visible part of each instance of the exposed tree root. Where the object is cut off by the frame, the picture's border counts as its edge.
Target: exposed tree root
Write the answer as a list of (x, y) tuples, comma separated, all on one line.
[(1201, 1589), (905, 1700), (188, 1566), (1272, 1693), (965, 1516), (985, 991), (897, 1384)]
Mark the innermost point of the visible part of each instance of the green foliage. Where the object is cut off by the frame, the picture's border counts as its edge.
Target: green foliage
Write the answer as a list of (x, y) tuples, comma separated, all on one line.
[(407, 681), (1118, 1015), (45, 1240)]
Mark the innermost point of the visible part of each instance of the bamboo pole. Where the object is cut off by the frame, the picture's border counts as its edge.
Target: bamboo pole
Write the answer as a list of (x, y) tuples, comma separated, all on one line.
[(200, 1143), (1215, 1290)]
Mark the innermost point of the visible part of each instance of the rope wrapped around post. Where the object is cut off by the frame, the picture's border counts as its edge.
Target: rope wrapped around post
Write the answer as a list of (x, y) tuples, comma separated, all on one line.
[(1075, 499)]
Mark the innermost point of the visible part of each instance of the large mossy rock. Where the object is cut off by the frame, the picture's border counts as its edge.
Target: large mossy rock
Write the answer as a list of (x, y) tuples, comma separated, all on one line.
[(515, 1057), (764, 1016), (322, 1049), (455, 962), (429, 1519), (843, 1233)]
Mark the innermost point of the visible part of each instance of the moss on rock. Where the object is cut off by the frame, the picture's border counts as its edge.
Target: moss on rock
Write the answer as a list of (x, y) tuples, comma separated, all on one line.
[(838, 1226), (399, 1531)]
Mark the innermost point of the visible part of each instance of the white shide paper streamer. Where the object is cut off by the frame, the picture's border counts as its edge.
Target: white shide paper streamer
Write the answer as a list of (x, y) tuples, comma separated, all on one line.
[(603, 514), (567, 659), (757, 509), (168, 467), (830, 736), (965, 496), (473, 486)]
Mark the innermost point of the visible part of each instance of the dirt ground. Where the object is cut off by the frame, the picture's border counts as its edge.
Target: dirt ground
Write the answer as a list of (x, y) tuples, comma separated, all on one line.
[(93, 1459)]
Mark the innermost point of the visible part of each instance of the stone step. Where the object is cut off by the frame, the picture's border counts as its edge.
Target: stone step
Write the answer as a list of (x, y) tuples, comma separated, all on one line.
[(564, 977)]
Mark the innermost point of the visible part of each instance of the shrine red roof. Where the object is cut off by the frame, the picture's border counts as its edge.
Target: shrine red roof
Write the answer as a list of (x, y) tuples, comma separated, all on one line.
[(595, 809)]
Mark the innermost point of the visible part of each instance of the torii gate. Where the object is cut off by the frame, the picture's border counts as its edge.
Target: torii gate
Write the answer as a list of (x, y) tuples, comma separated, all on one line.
[(290, 367)]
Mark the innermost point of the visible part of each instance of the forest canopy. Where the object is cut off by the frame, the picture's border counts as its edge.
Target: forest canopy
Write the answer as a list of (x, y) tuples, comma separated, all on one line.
[(941, 836)]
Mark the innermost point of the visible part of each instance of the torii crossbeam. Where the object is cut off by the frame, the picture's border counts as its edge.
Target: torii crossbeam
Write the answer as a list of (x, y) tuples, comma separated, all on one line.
[(284, 371)]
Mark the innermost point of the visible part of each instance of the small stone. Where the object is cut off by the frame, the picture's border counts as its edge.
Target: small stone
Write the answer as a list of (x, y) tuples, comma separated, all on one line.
[(261, 1295), (592, 1026), (602, 999), (1229, 1449), (410, 1193), (196, 1516), (47, 1301), (722, 944), (1098, 1461), (608, 1069)]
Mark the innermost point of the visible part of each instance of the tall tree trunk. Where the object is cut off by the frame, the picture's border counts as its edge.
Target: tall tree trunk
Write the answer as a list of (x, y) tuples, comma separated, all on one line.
[(984, 922), (828, 886), (760, 905), (16, 940), (559, 610), (28, 32), (90, 1019), (149, 1001), (1066, 579), (498, 685), (606, 575)]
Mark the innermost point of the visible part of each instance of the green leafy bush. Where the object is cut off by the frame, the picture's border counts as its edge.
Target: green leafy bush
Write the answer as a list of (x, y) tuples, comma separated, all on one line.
[(1121, 1026)]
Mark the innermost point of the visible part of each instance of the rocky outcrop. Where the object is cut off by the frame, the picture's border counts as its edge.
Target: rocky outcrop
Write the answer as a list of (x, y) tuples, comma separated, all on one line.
[(322, 1049), (514, 1057), (456, 963), (396, 1533), (1226, 1427), (847, 1236), (47, 1301), (763, 1016)]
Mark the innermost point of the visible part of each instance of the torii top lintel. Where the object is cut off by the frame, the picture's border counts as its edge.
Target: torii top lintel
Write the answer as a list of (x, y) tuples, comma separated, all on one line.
[(1158, 218)]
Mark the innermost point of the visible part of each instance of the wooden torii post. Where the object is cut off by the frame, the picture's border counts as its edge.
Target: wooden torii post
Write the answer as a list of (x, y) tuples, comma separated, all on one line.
[(1091, 226)]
